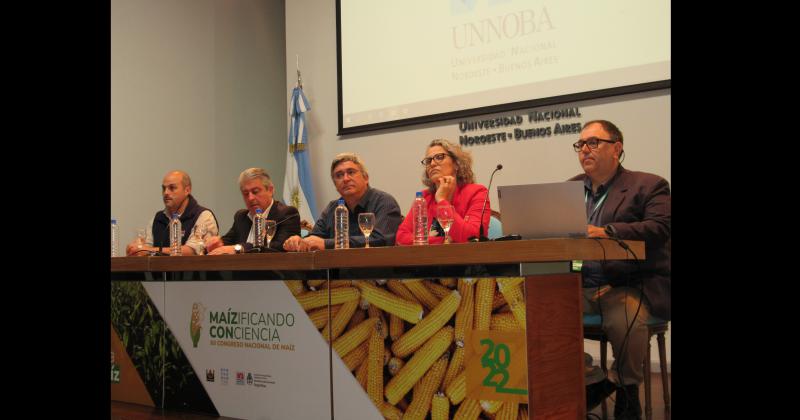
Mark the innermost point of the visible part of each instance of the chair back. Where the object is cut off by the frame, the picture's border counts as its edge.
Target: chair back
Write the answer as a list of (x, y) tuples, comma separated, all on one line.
[(495, 226)]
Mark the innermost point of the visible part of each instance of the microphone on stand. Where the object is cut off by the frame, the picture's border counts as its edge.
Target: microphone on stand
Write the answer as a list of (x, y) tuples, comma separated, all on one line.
[(255, 250), (481, 237), (287, 218)]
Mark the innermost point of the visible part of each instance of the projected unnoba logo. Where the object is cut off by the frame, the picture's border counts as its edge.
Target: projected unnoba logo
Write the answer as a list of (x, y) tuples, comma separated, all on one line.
[(512, 25)]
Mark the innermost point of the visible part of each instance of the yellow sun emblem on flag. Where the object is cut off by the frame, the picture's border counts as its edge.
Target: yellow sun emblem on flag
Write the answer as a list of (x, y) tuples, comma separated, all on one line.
[(296, 197)]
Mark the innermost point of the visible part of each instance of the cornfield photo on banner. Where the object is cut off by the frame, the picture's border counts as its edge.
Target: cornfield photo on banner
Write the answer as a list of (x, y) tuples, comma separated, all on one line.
[(155, 352)]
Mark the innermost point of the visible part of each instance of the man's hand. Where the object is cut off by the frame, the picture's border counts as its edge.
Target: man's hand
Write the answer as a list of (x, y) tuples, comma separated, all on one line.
[(222, 250), (596, 232), (133, 250), (292, 243), (314, 243), (297, 244), (213, 243)]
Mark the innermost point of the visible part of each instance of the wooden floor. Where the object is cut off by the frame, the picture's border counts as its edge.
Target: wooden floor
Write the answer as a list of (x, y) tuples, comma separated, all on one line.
[(125, 411)]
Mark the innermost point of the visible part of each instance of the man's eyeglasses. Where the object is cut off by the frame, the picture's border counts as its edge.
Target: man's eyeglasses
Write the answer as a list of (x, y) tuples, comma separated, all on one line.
[(340, 174), (439, 157), (592, 142)]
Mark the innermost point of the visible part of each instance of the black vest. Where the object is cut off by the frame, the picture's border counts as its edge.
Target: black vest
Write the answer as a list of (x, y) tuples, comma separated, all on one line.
[(188, 219)]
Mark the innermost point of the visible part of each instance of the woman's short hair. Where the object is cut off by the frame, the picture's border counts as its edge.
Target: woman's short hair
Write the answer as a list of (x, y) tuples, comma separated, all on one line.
[(461, 158)]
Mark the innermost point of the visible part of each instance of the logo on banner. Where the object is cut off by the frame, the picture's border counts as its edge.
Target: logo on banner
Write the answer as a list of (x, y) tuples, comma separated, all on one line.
[(210, 375), (114, 373), (260, 380), (242, 328), (223, 376), (114, 370), (249, 378), (497, 366), (196, 324), (239, 378)]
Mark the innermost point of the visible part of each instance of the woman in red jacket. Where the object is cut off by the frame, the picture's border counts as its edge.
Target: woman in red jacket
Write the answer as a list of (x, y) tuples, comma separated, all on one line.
[(449, 178)]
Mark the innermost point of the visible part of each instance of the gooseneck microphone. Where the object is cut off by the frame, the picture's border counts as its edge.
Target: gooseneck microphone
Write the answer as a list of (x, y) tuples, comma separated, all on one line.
[(287, 218), (481, 237), (257, 249)]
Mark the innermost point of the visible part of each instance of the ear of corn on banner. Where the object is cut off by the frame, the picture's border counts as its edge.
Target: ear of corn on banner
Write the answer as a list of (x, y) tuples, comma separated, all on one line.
[(432, 337)]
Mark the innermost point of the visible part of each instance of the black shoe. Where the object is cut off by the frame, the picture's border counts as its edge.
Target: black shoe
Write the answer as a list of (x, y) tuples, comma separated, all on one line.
[(627, 406), (597, 392)]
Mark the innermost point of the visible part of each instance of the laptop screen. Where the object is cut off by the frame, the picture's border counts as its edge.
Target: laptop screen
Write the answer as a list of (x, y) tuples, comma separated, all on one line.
[(535, 211)]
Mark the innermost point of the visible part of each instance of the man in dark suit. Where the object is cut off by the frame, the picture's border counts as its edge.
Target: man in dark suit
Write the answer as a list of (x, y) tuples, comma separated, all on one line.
[(628, 205), (257, 190)]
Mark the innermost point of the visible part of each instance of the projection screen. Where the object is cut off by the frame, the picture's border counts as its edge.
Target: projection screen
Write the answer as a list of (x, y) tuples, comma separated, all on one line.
[(412, 61)]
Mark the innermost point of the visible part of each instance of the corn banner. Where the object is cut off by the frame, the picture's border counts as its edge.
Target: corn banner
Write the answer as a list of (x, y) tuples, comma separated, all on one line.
[(448, 347), (356, 349)]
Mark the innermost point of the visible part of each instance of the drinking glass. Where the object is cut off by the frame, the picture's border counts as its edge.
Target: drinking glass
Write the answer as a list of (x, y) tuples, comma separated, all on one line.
[(198, 235), (141, 237), (444, 214), (269, 230), (366, 222)]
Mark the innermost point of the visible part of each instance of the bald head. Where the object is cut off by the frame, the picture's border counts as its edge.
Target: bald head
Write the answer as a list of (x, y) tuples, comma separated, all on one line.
[(183, 176), (175, 189)]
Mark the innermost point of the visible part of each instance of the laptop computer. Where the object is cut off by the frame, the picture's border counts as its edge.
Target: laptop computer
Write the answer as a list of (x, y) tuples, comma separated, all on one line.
[(552, 210)]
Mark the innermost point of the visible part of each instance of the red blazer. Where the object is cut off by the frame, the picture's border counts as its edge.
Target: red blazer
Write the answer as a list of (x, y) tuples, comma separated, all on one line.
[(467, 201)]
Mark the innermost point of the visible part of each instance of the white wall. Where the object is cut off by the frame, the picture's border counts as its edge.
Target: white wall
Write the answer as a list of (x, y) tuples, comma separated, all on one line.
[(196, 85), (392, 156)]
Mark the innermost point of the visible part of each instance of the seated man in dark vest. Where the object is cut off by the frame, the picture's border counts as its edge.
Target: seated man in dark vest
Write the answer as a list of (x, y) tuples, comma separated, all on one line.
[(257, 190), (197, 222)]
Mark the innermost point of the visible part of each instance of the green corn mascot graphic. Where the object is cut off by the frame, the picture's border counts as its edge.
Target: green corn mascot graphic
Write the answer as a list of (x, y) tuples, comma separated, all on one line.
[(195, 325)]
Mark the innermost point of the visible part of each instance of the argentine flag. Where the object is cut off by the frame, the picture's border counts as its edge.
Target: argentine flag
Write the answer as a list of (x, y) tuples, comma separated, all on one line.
[(297, 188)]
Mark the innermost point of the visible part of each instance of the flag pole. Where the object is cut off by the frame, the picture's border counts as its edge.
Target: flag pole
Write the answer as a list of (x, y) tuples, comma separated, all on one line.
[(298, 185), (299, 79)]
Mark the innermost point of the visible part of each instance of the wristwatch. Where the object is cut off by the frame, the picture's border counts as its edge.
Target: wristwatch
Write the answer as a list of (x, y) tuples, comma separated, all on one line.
[(610, 231), (237, 248)]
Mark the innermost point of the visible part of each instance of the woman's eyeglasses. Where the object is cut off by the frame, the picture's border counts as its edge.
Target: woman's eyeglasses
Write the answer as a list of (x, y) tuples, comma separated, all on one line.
[(439, 157)]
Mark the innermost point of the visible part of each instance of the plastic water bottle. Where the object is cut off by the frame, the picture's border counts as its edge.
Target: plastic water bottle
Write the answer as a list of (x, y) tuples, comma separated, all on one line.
[(175, 235), (114, 238), (341, 226), (258, 222), (420, 219)]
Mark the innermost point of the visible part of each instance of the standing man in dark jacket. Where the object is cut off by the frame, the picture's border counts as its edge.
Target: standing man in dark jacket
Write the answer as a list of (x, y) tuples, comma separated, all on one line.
[(197, 222), (257, 191), (626, 205)]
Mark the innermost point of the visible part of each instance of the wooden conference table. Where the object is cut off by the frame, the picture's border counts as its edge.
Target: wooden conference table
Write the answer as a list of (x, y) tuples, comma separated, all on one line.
[(553, 291)]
